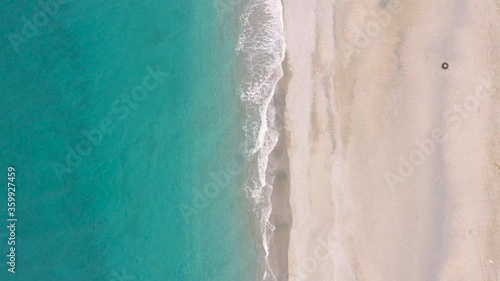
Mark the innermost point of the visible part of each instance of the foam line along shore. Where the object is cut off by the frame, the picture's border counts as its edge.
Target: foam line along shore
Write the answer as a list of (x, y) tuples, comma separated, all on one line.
[(262, 49)]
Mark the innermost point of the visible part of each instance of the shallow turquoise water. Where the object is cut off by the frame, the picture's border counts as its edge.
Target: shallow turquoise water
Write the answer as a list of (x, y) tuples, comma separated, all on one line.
[(113, 210)]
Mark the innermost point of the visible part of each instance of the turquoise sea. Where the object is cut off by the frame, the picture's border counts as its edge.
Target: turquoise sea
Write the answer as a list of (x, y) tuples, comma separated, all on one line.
[(123, 123)]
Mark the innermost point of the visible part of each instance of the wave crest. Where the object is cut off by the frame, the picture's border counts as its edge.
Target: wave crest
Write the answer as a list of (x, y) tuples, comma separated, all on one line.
[(261, 47)]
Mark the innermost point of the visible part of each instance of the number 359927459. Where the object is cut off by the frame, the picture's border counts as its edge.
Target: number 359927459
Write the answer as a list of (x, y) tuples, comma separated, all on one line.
[(11, 186)]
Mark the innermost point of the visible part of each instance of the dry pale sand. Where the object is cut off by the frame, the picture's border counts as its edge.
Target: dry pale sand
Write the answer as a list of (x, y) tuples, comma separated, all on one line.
[(394, 161)]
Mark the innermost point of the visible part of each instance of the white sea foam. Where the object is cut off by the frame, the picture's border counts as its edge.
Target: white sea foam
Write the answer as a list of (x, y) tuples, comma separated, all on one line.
[(261, 47)]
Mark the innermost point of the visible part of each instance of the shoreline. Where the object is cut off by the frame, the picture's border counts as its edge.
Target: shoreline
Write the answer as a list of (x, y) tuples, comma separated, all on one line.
[(261, 48), (278, 176)]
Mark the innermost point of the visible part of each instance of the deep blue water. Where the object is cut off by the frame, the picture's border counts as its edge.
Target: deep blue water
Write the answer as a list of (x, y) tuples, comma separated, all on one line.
[(123, 124)]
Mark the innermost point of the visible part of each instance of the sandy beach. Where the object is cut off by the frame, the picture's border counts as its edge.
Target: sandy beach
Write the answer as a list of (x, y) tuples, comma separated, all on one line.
[(394, 156)]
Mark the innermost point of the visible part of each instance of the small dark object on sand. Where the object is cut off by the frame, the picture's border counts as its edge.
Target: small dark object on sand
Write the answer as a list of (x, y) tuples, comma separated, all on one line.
[(444, 65)]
